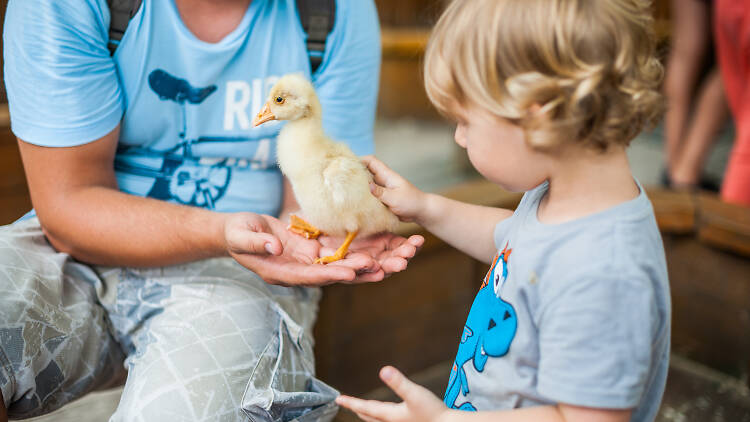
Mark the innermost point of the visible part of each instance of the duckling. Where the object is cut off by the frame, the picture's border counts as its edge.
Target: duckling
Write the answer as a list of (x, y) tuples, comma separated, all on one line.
[(331, 184)]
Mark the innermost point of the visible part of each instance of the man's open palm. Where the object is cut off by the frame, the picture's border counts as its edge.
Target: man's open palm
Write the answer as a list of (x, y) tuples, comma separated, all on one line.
[(265, 246)]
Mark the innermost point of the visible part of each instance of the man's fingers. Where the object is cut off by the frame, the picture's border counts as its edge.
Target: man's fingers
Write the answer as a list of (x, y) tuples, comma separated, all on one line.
[(373, 409), (275, 270), (406, 251), (416, 240), (393, 264), (359, 262), (371, 277)]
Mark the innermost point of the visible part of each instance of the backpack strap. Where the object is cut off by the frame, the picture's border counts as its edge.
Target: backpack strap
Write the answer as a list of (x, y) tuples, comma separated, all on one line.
[(317, 18), (121, 11)]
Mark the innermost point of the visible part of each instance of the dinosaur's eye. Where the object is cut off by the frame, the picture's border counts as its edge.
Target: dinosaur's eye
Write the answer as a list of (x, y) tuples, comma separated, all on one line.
[(279, 100)]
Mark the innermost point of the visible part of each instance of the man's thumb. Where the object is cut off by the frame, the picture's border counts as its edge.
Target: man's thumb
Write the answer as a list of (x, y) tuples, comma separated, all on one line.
[(262, 243)]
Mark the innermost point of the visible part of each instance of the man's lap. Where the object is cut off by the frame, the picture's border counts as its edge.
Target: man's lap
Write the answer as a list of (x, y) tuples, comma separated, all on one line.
[(206, 338)]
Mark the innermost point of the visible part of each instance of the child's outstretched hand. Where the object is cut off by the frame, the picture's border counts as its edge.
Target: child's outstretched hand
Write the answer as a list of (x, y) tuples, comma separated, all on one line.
[(419, 404), (403, 198)]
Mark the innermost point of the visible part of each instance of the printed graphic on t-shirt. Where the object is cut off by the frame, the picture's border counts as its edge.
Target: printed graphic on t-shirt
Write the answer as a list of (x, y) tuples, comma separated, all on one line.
[(184, 177), (489, 331)]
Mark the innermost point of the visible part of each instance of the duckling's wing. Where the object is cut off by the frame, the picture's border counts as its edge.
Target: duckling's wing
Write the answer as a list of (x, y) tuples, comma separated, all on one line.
[(346, 180)]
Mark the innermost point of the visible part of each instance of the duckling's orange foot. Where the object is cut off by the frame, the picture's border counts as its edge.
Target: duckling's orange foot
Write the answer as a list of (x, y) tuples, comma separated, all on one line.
[(302, 228), (328, 259), (340, 252)]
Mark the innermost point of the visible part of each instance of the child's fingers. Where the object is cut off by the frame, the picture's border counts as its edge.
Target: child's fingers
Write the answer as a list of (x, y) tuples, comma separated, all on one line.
[(367, 418), (376, 190), (385, 195), (373, 409), (397, 382), (381, 173)]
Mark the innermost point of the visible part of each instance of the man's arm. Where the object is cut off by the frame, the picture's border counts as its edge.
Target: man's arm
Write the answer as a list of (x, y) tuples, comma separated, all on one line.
[(74, 192), (82, 213)]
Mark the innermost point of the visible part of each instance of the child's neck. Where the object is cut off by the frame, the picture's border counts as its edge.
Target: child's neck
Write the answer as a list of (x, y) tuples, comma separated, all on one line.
[(586, 182)]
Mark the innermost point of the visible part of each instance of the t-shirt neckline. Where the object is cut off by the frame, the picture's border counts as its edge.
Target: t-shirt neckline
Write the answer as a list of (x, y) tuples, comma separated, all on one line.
[(621, 208), (228, 40)]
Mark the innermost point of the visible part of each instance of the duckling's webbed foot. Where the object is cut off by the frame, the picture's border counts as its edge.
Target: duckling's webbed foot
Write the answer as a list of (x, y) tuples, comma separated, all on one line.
[(340, 252), (302, 228)]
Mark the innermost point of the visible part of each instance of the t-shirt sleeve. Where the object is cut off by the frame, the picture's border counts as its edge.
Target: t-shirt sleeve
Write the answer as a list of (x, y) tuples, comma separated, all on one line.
[(503, 228), (595, 338), (347, 81), (62, 84)]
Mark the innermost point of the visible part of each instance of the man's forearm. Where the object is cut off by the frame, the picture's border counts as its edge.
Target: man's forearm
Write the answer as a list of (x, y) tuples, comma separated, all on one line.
[(103, 226), (466, 227)]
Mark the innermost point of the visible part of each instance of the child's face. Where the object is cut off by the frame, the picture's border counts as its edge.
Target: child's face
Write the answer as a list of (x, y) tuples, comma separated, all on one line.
[(497, 149)]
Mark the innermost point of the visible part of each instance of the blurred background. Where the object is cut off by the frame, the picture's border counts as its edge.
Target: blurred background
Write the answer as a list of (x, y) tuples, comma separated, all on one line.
[(414, 320)]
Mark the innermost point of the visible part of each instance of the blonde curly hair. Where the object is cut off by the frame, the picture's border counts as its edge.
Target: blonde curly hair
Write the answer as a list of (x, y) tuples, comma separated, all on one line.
[(583, 70)]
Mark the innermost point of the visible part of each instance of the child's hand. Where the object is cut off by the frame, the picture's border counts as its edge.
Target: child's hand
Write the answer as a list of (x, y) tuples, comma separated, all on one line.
[(403, 198), (419, 404)]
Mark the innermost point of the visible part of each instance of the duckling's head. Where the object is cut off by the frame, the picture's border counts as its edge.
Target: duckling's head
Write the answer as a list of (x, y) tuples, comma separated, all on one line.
[(292, 98)]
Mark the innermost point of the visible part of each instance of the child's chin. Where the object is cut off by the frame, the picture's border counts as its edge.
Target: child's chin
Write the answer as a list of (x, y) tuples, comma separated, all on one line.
[(516, 186)]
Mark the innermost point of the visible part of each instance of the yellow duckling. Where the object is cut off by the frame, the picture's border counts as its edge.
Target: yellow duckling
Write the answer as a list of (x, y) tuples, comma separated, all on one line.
[(331, 184)]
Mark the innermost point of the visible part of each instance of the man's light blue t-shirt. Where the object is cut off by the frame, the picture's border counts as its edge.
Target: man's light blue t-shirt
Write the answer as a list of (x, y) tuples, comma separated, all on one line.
[(185, 106), (575, 313)]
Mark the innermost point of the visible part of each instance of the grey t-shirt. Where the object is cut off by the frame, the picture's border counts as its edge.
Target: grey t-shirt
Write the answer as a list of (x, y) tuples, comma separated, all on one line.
[(575, 313)]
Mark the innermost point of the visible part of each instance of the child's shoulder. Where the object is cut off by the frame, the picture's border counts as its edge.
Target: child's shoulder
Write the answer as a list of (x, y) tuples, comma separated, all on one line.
[(622, 242)]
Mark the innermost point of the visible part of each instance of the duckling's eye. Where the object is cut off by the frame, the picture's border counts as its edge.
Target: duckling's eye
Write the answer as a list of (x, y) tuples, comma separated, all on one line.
[(279, 100)]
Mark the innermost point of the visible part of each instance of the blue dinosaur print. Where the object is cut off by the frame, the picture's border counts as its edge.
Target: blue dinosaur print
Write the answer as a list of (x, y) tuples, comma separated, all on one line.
[(489, 331)]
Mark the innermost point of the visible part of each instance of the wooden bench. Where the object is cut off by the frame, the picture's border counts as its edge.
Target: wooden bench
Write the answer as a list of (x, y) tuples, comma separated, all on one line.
[(14, 194), (707, 243)]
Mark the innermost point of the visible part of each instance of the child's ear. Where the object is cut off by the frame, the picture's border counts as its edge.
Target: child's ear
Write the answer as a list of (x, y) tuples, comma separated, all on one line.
[(535, 108)]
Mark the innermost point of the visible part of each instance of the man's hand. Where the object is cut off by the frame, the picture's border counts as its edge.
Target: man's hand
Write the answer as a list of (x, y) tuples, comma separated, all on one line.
[(264, 245), (390, 251), (419, 404)]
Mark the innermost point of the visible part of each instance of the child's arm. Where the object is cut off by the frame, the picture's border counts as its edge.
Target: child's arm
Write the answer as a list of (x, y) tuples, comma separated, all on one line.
[(466, 227), (420, 405)]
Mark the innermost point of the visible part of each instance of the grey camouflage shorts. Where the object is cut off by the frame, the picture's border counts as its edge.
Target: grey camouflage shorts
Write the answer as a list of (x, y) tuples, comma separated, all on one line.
[(205, 341)]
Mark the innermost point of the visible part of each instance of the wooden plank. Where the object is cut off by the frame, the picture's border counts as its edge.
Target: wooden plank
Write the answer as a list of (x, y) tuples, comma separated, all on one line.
[(675, 211), (4, 116), (723, 225), (710, 304), (402, 93), (14, 193), (404, 42), (408, 13)]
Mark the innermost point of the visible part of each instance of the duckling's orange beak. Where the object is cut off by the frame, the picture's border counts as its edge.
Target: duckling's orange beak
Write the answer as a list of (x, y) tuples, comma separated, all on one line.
[(264, 116)]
